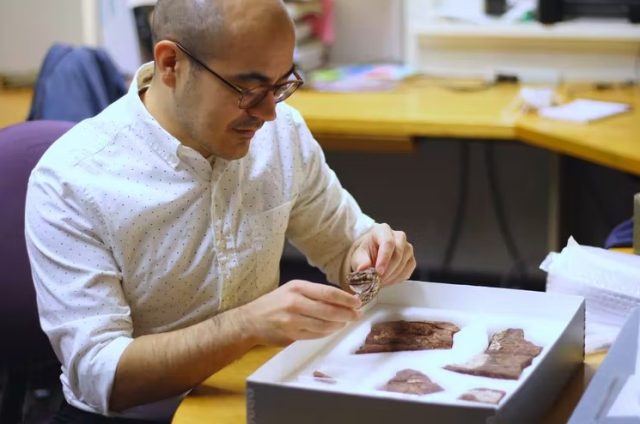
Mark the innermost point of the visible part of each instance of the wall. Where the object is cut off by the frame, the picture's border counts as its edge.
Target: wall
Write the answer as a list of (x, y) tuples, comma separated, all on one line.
[(367, 31), (29, 27)]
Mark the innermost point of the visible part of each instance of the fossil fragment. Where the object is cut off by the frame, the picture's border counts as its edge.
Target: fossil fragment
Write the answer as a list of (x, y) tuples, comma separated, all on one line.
[(494, 365), (325, 378), (411, 382), (507, 355), (483, 395), (365, 284), (395, 336), (512, 340)]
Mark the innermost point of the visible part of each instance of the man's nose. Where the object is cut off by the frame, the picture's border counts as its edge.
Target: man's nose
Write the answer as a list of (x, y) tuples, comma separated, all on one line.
[(266, 109)]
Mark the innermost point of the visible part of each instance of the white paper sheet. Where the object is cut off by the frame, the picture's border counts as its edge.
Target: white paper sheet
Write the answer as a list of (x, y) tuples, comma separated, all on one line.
[(583, 110), (609, 282)]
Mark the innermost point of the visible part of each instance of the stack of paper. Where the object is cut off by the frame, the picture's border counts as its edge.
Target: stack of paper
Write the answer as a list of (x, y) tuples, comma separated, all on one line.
[(583, 110), (609, 282)]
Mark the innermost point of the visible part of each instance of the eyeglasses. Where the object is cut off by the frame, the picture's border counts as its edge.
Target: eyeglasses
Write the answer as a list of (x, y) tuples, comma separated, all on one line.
[(251, 97)]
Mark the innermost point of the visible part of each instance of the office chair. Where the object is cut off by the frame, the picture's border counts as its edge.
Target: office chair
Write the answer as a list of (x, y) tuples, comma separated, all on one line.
[(621, 235), (23, 342)]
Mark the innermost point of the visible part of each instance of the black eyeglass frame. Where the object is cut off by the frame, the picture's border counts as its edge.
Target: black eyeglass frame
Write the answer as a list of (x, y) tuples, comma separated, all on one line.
[(295, 84)]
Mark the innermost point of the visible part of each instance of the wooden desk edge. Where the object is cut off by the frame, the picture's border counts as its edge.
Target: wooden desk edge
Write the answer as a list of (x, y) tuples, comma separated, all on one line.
[(562, 145), (361, 143), (398, 137)]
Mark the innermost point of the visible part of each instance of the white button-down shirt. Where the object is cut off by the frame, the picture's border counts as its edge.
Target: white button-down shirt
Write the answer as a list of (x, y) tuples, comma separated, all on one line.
[(131, 233)]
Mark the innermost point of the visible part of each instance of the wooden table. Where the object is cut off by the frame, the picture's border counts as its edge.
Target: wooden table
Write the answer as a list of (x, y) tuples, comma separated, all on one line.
[(421, 108), (414, 109), (391, 121), (14, 106), (613, 142), (221, 398)]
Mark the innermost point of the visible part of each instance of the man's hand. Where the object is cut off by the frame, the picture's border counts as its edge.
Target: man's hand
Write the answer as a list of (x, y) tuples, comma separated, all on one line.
[(300, 310), (386, 250)]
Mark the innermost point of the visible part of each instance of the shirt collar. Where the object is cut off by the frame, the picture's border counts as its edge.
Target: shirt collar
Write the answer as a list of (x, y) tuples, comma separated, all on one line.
[(163, 143)]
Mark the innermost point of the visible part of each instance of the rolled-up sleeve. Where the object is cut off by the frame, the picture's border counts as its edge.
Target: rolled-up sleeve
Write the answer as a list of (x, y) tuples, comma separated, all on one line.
[(80, 300), (325, 219)]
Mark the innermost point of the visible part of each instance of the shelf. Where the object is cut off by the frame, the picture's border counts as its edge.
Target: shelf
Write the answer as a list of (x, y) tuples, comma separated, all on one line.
[(581, 30)]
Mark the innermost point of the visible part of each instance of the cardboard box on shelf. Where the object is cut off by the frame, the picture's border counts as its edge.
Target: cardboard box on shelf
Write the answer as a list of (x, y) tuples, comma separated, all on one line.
[(284, 391)]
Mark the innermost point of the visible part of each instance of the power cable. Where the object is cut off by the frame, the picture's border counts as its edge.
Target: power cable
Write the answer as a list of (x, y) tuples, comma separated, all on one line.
[(503, 225), (461, 206)]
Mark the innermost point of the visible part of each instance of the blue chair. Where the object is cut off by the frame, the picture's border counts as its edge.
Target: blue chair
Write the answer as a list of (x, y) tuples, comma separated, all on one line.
[(24, 343)]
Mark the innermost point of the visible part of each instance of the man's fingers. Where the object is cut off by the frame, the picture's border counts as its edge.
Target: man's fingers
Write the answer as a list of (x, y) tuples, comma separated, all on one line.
[(398, 258), (400, 239), (308, 334), (301, 309), (319, 326), (392, 254), (325, 311), (402, 254), (316, 317), (361, 259), (326, 294), (383, 237), (403, 272)]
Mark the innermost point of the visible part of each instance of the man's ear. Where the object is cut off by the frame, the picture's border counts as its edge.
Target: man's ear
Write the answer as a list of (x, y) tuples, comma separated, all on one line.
[(166, 60)]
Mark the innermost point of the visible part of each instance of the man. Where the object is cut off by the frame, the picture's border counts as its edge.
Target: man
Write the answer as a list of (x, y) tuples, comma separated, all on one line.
[(155, 229)]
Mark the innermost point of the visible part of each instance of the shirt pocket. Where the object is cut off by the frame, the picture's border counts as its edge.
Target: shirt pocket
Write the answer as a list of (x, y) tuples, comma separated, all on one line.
[(268, 231), (256, 267)]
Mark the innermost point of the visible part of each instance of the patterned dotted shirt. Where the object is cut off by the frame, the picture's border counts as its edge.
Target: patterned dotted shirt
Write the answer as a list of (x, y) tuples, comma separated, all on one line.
[(130, 233)]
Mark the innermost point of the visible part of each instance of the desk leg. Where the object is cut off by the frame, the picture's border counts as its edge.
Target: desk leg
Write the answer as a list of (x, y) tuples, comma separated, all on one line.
[(555, 189)]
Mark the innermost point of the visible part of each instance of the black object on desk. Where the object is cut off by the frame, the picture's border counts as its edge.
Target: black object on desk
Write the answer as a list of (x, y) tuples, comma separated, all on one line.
[(551, 11), (495, 7)]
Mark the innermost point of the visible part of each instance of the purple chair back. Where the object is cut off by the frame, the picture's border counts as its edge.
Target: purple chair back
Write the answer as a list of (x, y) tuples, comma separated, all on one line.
[(21, 146)]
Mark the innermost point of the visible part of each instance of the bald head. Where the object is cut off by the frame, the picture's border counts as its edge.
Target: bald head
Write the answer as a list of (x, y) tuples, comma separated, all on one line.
[(209, 27)]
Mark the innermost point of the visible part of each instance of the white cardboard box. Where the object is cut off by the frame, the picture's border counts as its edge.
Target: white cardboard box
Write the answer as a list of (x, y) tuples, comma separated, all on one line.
[(604, 401), (283, 391)]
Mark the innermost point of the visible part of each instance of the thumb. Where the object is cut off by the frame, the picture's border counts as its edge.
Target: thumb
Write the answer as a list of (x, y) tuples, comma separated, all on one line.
[(360, 259)]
